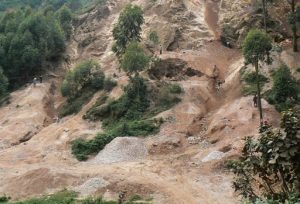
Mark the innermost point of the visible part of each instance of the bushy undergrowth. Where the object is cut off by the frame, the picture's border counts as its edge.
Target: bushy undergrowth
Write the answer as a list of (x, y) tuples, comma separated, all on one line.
[(285, 91), (271, 163), (250, 78), (70, 197), (63, 197), (81, 83), (130, 115), (83, 148)]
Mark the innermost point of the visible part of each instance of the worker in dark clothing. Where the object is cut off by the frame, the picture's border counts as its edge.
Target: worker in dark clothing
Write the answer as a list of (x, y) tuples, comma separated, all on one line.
[(255, 100), (160, 49), (41, 78)]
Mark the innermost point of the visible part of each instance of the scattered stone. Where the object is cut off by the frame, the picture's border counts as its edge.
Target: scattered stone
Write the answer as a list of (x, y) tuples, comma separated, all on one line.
[(194, 140), (215, 155), (91, 186), (122, 149)]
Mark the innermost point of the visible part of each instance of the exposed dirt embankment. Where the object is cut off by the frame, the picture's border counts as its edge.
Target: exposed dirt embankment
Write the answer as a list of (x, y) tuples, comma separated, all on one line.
[(182, 164)]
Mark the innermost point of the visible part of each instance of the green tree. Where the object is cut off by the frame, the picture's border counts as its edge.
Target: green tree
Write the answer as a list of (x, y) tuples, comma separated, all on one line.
[(256, 48), (293, 22), (65, 20), (134, 59), (85, 74), (3, 84), (28, 39), (271, 162), (285, 86), (128, 28)]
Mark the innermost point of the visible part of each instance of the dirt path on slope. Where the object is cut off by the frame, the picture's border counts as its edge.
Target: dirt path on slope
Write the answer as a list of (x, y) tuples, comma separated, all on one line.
[(212, 16)]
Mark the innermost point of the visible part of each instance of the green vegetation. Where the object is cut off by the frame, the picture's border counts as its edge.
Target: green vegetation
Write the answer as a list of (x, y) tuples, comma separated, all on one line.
[(4, 199), (153, 37), (128, 28), (63, 197), (130, 115), (28, 40), (81, 83), (70, 197), (65, 20), (134, 59), (3, 86), (271, 162), (251, 87), (284, 94), (175, 89), (83, 148), (256, 47)]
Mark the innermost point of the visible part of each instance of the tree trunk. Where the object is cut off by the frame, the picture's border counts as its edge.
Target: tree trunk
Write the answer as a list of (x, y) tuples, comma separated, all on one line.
[(258, 93), (294, 27), (265, 14)]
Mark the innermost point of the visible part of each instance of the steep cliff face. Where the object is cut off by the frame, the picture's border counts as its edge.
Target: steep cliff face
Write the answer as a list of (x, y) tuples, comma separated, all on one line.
[(237, 17)]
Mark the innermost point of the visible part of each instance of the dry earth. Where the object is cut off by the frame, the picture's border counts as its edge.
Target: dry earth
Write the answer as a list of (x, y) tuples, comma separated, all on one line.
[(183, 164)]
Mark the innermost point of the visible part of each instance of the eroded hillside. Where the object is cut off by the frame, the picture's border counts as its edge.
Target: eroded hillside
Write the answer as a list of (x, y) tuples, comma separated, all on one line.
[(184, 162)]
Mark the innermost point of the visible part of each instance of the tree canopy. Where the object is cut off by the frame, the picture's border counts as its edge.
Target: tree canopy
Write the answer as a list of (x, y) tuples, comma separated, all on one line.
[(256, 46), (134, 59), (28, 39), (128, 28)]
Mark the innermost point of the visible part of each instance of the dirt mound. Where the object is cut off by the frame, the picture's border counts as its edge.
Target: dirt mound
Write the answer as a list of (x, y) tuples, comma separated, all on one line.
[(37, 182), (122, 149), (90, 186), (173, 69)]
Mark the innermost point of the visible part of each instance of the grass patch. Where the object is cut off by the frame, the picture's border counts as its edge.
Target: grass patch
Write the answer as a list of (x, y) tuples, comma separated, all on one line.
[(83, 148), (63, 197)]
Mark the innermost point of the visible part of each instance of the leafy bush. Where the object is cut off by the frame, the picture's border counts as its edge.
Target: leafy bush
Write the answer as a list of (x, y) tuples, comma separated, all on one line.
[(271, 162), (4, 199), (228, 34), (134, 58), (109, 84), (284, 93), (85, 74), (80, 84), (153, 37), (175, 89)]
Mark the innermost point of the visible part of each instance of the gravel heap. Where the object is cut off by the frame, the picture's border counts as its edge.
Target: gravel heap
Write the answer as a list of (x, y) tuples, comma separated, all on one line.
[(91, 186), (122, 149), (215, 155)]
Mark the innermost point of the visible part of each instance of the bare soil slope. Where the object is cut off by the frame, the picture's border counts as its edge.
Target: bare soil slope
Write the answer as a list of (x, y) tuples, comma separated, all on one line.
[(174, 167)]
